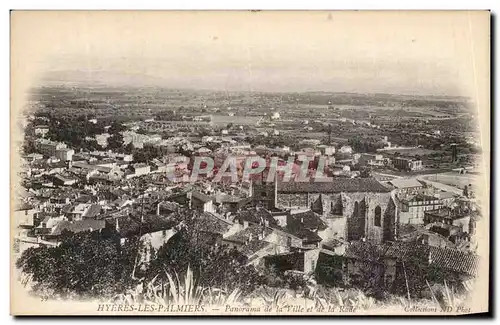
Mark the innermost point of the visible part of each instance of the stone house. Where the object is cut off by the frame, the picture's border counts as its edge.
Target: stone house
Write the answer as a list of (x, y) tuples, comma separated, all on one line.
[(353, 209)]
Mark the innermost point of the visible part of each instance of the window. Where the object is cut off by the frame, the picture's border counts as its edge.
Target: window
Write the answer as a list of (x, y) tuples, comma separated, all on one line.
[(378, 216), (337, 208)]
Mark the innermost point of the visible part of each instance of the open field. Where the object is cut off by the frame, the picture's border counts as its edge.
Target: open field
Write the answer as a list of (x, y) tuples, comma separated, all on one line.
[(423, 172), (453, 179), (239, 120), (411, 151)]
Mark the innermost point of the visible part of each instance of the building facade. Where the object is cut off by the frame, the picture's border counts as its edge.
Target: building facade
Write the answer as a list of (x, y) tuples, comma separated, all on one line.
[(407, 164), (64, 154), (413, 209), (48, 148), (353, 209)]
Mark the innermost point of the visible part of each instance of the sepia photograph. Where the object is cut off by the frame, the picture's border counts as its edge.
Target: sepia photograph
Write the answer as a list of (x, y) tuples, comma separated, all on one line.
[(279, 163)]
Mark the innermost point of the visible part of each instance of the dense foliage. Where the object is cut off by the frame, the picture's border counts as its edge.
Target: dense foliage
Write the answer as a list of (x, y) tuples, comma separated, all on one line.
[(363, 145), (213, 266), (97, 265), (85, 264)]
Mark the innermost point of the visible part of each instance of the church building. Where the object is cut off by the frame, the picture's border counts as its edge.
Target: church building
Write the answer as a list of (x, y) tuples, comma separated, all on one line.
[(353, 208)]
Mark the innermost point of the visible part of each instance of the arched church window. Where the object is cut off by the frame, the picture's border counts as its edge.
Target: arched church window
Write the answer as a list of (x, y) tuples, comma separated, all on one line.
[(378, 217)]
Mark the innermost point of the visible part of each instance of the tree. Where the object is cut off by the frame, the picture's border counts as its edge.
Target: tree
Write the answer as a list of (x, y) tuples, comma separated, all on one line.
[(190, 247), (116, 128), (29, 146), (465, 191), (115, 142), (146, 154), (365, 172), (129, 148), (87, 264), (91, 145)]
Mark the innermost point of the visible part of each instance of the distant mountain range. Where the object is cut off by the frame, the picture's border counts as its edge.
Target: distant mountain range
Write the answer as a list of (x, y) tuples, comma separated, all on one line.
[(104, 80)]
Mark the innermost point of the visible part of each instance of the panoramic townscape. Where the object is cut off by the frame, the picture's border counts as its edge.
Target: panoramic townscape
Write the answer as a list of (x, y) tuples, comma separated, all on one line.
[(127, 194)]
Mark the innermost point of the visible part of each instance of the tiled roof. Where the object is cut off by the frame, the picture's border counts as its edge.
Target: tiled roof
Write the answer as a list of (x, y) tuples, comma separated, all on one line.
[(48, 215), (364, 251), (226, 198), (446, 195), (253, 247), (257, 216), (103, 169), (454, 260), (308, 220), (85, 198), (62, 178), (402, 250), (170, 206), (200, 196), (306, 235), (252, 232), (444, 258), (78, 226), (336, 186), (448, 213), (423, 197), (131, 225), (68, 208), (405, 183), (24, 206), (419, 234), (212, 224), (93, 211)]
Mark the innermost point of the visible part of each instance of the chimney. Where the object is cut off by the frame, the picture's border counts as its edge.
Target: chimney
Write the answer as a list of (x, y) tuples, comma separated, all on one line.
[(117, 226), (158, 209)]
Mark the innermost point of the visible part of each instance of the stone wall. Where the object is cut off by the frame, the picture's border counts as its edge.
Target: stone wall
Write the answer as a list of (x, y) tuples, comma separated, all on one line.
[(358, 223)]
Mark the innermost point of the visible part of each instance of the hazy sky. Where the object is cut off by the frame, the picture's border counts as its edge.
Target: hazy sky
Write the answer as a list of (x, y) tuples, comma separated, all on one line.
[(393, 52)]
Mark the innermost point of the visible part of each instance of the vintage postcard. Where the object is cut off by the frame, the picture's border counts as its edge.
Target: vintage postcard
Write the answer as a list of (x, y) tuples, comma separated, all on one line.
[(250, 162)]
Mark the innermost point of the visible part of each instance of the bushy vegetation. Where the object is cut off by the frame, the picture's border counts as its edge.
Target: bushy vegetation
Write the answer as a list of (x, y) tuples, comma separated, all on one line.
[(191, 270), (187, 289), (97, 265), (83, 265), (365, 145)]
